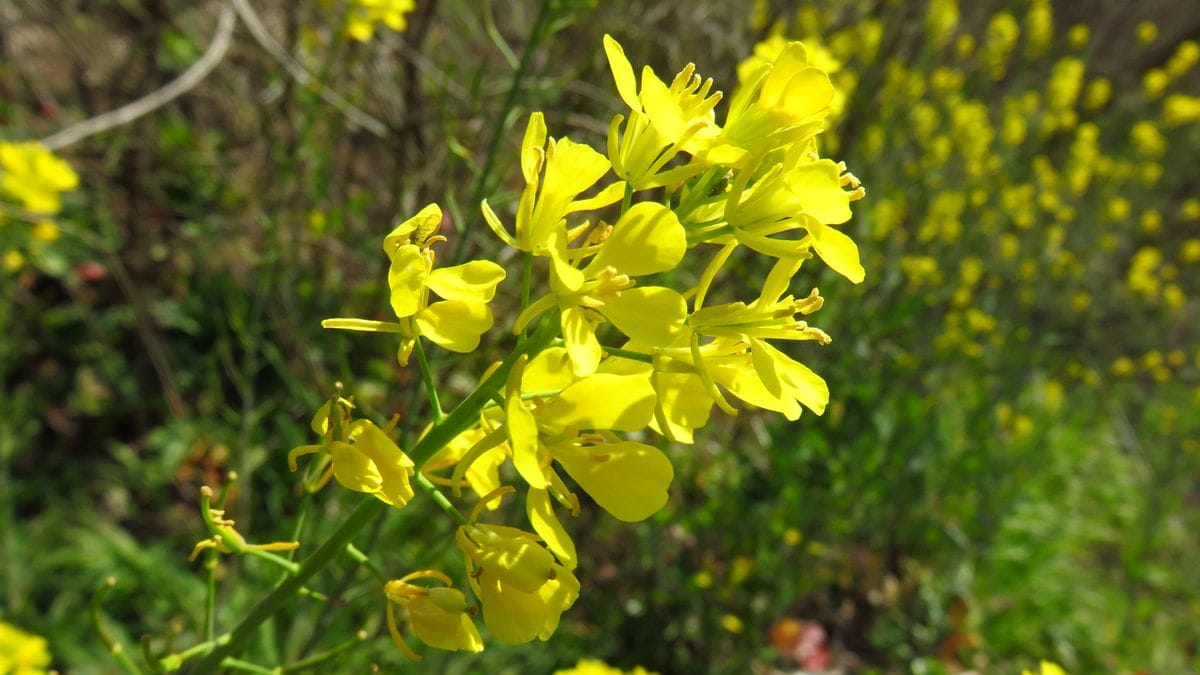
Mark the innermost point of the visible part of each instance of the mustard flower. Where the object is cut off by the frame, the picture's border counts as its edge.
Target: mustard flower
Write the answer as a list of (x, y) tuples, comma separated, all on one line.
[(1046, 668), (523, 589), (808, 195), (1180, 109), (364, 15), (663, 121), (740, 358), (22, 653), (783, 104), (360, 455), (455, 323), (556, 172), (437, 615), (598, 667), (941, 21), (626, 478), (34, 176), (646, 239)]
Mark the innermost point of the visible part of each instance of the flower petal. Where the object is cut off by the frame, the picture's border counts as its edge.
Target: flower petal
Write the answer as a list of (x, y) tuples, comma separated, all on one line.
[(473, 281), (406, 279), (647, 239), (455, 324), (627, 479), (649, 314)]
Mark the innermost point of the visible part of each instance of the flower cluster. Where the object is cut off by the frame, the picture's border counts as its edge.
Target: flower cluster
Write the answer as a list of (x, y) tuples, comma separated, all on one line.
[(364, 15), (614, 344)]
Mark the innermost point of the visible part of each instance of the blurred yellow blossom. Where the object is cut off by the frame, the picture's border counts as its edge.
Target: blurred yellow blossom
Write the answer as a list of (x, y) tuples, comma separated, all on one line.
[(364, 15), (34, 176), (1147, 32), (22, 653), (598, 667)]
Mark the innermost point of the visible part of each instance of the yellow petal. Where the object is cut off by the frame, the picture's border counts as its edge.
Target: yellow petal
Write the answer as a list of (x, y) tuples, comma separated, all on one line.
[(627, 479), (454, 324), (579, 336), (817, 186), (622, 72), (837, 250), (473, 281), (532, 147), (602, 401), (353, 469), (406, 279), (647, 239), (649, 314), (540, 511), (427, 221), (548, 371), (523, 439), (684, 402)]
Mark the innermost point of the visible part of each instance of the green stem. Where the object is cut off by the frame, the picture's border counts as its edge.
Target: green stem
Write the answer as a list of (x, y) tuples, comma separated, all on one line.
[(246, 666), (430, 385), (115, 648), (282, 562), (318, 659), (362, 559), (210, 594), (627, 198), (467, 413), (433, 491), (232, 642)]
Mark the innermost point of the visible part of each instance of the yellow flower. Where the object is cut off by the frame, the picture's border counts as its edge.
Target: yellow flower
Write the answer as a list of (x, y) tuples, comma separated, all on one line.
[(22, 653), (597, 667), (941, 21), (1147, 32), (34, 176), (523, 589), (374, 464), (1180, 109), (455, 323), (647, 239), (364, 15), (785, 103), (359, 454), (437, 615), (663, 121), (1046, 668), (556, 172), (741, 360), (626, 478), (806, 195), (1039, 28)]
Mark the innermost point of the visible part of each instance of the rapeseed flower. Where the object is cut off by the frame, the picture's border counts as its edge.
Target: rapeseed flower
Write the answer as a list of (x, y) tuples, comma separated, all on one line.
[(455, 323), (437, 615), (34, 177)]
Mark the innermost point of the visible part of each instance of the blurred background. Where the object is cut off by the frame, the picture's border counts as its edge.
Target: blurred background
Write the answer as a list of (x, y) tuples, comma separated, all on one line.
[(1009, 470)]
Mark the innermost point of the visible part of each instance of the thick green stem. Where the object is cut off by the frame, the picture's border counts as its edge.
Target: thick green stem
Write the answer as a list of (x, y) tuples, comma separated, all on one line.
[(467, 413)]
